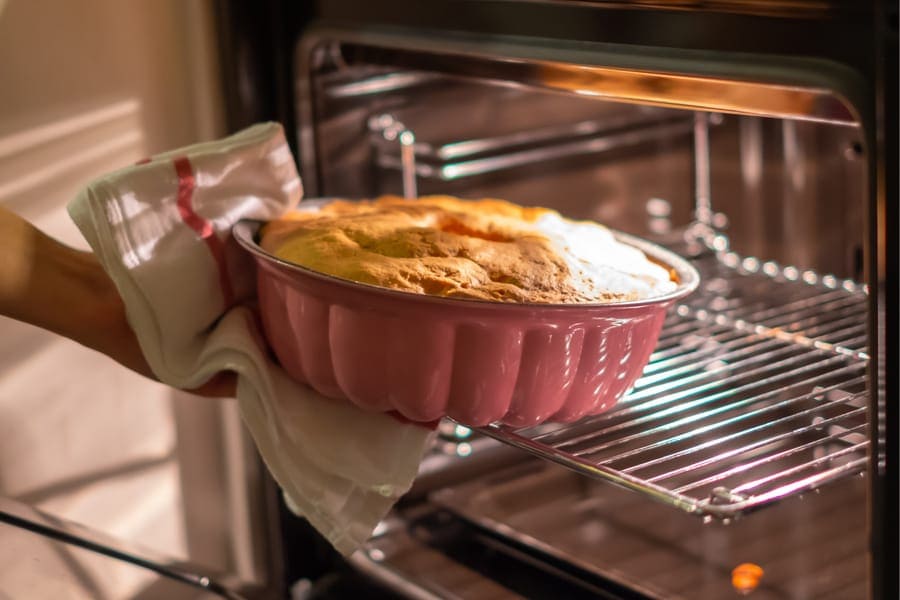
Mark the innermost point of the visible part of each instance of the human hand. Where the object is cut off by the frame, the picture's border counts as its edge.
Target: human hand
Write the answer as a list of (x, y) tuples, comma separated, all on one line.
[(66, 291)]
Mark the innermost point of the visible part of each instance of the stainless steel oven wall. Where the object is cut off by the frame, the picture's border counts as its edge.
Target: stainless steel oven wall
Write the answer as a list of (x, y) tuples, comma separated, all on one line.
[(792, 191)]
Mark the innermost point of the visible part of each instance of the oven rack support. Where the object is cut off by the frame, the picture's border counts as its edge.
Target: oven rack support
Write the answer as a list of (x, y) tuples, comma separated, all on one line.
[(757, 391), (397, 147)]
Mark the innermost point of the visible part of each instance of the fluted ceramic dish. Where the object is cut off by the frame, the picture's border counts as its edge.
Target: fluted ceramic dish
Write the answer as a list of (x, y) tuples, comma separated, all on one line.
[(476, 361)]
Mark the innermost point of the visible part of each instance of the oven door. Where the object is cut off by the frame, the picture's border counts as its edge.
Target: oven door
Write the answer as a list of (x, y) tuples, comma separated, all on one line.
[(47, 557)]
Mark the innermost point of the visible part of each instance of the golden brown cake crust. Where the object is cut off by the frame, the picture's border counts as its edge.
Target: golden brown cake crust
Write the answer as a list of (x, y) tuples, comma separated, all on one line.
[(438, 245)]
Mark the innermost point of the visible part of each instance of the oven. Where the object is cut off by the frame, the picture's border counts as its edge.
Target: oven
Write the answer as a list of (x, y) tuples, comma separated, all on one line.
[(757, 455)]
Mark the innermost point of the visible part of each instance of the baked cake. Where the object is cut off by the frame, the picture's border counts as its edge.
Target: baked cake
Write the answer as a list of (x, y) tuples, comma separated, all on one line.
[(482, 249)]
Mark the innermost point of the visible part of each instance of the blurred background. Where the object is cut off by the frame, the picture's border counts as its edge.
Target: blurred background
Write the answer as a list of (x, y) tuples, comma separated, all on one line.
[(89, 87)]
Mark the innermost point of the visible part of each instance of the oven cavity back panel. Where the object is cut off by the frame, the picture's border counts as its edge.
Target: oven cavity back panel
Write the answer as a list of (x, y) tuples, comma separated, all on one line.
[(757, 391)]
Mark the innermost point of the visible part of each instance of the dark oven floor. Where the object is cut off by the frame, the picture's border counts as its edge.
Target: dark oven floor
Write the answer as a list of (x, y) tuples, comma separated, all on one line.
[(538, 528)]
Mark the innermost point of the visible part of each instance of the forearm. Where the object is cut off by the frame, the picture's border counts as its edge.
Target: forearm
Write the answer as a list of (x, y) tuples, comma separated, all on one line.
[(52, 286)]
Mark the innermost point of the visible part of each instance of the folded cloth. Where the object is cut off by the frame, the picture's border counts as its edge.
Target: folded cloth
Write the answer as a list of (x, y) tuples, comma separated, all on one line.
[(162, 230)]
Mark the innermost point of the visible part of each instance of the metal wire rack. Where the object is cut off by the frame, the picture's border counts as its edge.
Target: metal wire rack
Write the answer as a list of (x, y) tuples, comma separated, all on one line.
[(757, 391)]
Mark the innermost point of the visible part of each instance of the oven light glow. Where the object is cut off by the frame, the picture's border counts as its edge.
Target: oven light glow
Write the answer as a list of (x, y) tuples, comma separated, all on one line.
[(745, 577), (462, 432), (731, 259), (750, 264), (720, 243), (380, 529)]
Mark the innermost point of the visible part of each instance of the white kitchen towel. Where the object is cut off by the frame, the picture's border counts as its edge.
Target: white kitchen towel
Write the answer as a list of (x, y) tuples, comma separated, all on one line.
[(162, 230)]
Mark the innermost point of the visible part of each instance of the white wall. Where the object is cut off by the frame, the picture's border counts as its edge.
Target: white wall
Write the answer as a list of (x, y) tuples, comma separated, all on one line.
[(87, 87)]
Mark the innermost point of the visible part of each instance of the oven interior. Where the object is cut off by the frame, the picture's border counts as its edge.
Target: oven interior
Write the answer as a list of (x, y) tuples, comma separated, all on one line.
[(736, 464)]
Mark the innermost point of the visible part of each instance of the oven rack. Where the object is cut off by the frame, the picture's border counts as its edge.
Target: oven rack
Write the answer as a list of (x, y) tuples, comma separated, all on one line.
[(465, 158), (756, 392)]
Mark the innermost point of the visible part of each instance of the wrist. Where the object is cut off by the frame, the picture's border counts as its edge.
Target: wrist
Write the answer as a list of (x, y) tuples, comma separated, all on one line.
[(105, 325)]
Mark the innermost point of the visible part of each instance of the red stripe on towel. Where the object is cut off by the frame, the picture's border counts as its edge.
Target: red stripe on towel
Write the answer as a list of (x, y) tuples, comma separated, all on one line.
[(201, 226)]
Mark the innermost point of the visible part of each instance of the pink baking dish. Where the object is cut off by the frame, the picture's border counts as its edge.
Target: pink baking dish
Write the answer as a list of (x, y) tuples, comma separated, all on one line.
[(478, 362)]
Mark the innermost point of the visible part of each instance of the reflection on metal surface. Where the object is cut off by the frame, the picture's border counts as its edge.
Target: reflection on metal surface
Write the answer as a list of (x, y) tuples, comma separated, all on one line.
[(408, 163), (395, 132), (476, 125), (721, 245), (703, 93), (712, 93), (792, 88), (429, 553), (490, 155), (793, 8), (536, 134), (378, 84), (703, 211), (818, 552), (401, 583)]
